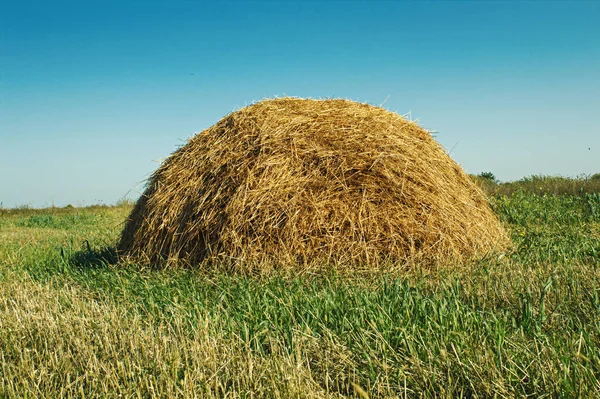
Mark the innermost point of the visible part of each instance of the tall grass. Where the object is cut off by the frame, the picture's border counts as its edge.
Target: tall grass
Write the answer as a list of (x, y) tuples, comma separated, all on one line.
[(523, 323), (540, 185)]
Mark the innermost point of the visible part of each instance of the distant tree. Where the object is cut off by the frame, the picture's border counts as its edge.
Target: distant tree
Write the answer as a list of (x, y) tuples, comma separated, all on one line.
[(595, 176), (489, 176)]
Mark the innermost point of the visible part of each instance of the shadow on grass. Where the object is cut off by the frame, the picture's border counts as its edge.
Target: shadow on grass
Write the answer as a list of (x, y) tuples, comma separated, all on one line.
[(89, 258)]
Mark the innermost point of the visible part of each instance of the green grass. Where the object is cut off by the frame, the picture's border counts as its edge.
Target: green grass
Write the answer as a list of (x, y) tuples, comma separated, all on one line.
[(521, 324), (540, 185)]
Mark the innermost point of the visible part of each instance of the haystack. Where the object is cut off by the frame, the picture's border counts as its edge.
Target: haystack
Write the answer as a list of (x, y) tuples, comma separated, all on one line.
[(296, 181)]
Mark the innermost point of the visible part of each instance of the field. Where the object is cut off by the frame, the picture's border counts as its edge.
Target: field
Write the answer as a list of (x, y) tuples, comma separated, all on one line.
[(521, 324)]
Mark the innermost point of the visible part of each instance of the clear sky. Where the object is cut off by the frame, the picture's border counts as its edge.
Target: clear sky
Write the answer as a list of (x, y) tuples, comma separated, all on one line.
[(94, 93)]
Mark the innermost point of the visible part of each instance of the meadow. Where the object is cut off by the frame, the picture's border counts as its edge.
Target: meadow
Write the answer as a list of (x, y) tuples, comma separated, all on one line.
[(525, 323)]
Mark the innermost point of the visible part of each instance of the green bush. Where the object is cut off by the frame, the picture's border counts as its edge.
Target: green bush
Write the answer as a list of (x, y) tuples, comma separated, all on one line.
[(540, 185)]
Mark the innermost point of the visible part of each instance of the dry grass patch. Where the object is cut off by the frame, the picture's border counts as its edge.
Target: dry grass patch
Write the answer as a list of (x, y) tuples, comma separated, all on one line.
[(64, 343)]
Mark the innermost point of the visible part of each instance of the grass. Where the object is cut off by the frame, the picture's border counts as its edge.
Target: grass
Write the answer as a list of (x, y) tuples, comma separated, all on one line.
[(521, 324), (540, 185)]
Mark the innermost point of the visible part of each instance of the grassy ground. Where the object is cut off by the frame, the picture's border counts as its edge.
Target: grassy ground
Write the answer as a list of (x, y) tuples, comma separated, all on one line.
[(523, 324), (548, 185)]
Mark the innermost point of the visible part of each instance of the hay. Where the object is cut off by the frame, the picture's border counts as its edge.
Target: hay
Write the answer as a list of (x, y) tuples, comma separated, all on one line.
[(295, 181)]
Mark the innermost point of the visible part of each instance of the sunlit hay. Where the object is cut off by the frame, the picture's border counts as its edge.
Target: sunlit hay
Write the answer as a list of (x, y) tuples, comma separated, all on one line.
[(297, 182)]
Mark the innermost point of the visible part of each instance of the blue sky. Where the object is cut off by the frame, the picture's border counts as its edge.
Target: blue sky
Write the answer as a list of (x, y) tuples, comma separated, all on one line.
[(94, 93)]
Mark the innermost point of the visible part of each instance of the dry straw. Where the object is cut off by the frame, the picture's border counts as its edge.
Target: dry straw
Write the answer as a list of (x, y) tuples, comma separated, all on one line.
[(292, 181)]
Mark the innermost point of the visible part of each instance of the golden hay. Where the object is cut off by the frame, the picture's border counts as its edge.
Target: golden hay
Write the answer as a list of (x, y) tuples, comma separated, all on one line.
[(296, 181)]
